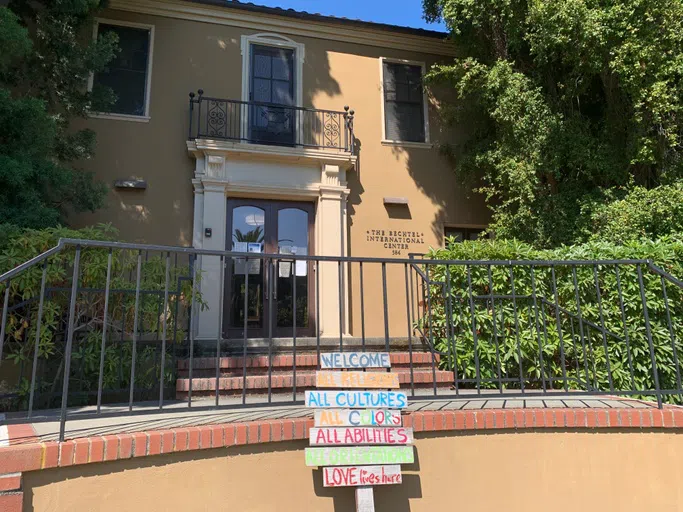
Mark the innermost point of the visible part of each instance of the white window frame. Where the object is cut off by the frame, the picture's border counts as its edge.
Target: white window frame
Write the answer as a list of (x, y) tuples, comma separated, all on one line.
[(425, 105), (148, 78), (279, 41)]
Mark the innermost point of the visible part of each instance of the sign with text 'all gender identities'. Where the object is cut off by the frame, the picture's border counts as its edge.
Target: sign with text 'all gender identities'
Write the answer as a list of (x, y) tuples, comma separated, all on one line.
[(359, 455), (357, 418)]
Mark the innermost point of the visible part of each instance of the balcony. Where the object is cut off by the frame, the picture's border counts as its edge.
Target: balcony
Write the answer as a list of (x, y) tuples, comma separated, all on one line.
[(270, 124)]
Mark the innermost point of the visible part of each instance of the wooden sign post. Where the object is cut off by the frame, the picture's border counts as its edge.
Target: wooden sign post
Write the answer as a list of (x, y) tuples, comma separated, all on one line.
[(358, 438)]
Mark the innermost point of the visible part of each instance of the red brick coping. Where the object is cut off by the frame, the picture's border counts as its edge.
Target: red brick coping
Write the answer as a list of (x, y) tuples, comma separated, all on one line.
[(25, 453)]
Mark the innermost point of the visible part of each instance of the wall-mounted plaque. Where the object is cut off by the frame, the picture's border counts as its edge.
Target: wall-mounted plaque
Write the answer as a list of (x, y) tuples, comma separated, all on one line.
[(396, 242)]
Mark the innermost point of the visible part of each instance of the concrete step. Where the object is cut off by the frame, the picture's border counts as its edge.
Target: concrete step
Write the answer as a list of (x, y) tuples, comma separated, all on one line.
[(305, 379), (281, 363), (235, 347)]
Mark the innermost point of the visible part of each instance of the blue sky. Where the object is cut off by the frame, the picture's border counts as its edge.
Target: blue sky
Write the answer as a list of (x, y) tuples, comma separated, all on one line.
[(407, 13)]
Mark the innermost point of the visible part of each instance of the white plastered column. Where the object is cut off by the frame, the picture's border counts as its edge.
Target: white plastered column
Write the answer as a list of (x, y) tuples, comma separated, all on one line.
[(212, 214), (331, 241)]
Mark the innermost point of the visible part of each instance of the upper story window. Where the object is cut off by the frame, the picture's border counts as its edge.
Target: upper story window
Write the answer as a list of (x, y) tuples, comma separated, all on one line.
[(129, 73), (405, 106), (462, 234), (272, 78)]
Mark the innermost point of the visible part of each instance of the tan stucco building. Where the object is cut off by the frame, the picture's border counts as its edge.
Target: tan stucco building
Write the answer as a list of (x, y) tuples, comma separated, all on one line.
[(266, 156)]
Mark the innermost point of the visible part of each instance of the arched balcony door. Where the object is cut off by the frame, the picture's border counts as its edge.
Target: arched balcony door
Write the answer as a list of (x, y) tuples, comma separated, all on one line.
[(279, 295)]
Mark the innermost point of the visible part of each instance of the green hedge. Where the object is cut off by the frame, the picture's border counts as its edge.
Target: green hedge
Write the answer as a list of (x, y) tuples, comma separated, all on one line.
[(564, 347)]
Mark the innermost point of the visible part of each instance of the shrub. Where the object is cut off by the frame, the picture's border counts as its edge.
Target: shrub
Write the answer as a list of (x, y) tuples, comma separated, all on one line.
[(534, 343), (642, 213), (89, 325)]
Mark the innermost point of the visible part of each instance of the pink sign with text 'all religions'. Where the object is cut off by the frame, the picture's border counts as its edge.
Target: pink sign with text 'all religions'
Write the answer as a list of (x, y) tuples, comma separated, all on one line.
[(357, 419)]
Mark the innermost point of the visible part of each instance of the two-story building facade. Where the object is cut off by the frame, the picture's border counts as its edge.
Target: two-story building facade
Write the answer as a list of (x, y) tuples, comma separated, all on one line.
[(266, 130)]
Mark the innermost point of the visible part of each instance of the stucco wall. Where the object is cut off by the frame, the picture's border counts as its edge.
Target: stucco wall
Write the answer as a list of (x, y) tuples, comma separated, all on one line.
[(559, 471), (189, 55)]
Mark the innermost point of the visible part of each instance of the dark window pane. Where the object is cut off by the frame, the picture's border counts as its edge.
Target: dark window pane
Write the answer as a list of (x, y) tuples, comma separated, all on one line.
[(460, 234), (261, 65), (403, 102), (261, 89), (282, 93), (292, 238), (282, 66), (453, 233), (404, 122), (126, 74)]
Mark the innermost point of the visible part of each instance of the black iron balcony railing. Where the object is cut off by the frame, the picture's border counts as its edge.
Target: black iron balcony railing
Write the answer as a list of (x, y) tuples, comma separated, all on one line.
[(269, 123)]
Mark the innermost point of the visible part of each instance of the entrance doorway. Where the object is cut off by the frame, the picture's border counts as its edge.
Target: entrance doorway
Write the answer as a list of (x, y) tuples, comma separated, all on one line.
[(273, 227)]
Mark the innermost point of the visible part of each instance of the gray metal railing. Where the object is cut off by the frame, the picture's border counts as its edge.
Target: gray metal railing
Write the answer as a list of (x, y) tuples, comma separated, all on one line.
[(270, 123), (93, 328)]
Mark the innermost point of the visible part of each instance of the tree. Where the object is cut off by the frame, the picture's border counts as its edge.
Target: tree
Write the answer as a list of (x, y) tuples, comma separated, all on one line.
[(576, 102), (46, 59)]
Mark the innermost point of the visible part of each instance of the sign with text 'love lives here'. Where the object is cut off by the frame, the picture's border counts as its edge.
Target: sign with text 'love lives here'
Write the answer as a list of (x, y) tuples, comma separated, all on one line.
[(357, 418), (361, 436), (361, 475)]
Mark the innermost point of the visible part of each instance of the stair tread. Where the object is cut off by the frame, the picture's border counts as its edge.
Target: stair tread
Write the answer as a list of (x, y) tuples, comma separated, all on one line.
[(303, 379), (281, 360)]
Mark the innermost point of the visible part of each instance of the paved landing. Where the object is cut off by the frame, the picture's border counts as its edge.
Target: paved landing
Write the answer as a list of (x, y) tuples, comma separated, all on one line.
[(117, 420)]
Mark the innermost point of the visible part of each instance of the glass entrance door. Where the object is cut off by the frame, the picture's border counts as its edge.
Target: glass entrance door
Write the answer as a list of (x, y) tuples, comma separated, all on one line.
[(279, 290)]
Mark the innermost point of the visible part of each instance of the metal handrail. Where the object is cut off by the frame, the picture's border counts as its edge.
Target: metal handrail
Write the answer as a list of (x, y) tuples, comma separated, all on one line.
[(459, 305)]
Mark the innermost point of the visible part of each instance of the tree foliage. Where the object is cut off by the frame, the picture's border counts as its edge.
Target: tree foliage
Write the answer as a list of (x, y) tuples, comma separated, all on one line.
[(568, 104), (45, 63)]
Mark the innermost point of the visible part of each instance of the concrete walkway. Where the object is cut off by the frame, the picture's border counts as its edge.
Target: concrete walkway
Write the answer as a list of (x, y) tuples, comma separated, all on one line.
[(146, 417)]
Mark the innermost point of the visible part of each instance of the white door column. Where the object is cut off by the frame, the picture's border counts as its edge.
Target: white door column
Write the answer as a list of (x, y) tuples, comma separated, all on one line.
[(213, 218), (331, 241)]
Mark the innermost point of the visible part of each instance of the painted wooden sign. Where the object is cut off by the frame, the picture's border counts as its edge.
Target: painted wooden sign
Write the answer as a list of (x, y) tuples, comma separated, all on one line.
[(361, 475), (360, 436), (359, 455), (357, 418), (378, 380), (357, 399), (337, 360)]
